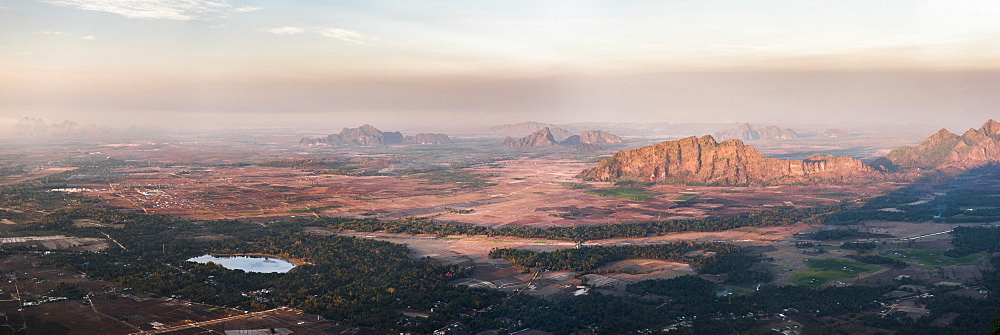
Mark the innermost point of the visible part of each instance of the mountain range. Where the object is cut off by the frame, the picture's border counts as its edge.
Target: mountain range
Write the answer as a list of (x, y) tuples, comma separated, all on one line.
[(748, 132), (590, 139), (702, 160), (367, 135)]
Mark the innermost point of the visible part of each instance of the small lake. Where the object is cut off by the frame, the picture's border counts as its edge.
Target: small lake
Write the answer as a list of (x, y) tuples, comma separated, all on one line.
[(259, 264)]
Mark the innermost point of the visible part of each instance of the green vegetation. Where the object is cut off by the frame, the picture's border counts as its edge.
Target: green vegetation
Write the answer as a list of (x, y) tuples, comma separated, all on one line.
[(589, 258), (823, 270), (860, 247), (630, 193), (931, 258), (880, 260), (464, 179), (312, 210), (763, 218), (575, 186), (684, 197), (359, 281), (970, 240), (839, 234), (835, 195), (956, 203)]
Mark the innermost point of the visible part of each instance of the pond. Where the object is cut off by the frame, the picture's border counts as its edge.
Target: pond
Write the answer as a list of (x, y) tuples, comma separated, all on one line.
[(248, 263)]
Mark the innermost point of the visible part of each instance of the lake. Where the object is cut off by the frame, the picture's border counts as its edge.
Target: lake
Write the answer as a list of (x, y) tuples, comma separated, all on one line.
[(260, 264)]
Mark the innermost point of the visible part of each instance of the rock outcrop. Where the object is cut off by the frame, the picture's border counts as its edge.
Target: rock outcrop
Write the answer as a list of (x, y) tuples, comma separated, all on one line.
[(426, 138), (527, 128), (572, 141), (28, 127), (589, 140), (368, 135), (702, 160), (541, 138), (599, 137), (748, 132), (947, 151), (836, 133)]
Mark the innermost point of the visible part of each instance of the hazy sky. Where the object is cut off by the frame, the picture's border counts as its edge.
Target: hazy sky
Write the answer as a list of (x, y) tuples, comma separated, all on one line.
[(270, 62)]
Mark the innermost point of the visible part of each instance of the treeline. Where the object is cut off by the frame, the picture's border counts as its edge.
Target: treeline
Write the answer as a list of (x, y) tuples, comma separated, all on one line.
[(709, 258), (589, 258), (959, 204), (355, 281), (880, 260), (839, 234), (762, 218), (690, 298), (970, 240)]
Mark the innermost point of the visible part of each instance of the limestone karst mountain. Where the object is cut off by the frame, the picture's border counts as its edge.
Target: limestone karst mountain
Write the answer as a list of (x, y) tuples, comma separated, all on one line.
[(948, 151), (588, 140), (599, 137), (367, 135), (527, 128), (748, 132), (541, 138), (836, 133), (731, 162), (426, 138)]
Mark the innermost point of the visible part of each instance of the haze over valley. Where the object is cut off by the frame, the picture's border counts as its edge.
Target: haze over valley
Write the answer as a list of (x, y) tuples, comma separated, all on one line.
[(388, 167)]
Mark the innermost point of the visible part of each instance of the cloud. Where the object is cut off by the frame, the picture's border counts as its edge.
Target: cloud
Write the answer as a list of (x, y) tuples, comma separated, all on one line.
[(284, 30), (340, 34), (86, 37), (247, 9), (345, 35), (156, 9)]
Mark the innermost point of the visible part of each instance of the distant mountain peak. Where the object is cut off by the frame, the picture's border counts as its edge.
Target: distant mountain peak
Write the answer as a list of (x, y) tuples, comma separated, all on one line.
[(948, 151), (702, 160)]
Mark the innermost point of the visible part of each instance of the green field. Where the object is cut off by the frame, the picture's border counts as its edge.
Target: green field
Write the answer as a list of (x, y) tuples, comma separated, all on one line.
[(311, 210), (683, 197), (931, 258), (834, 195), (575, 186), (823, 270), (630, 193)]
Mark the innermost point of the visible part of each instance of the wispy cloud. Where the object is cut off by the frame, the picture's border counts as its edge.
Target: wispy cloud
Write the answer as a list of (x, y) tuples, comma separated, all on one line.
[(86, 37), (345, 35), (247, 9), (337, 33), (156, 9), (284, 30)]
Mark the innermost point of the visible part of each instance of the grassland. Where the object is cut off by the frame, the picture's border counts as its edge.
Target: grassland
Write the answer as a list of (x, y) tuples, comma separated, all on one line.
[(630, 193), (930, 258), (574, 186), (822, 271), (834, 195), (311, 210), (684, 197)]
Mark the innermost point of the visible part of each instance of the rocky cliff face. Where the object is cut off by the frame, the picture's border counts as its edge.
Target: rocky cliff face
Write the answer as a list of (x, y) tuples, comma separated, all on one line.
[(367, 135), (541, 138), (947, 151), (836, 133), (747, 132), (426, 138), (599, 137), (28, 127), (775, 133), (527, 128), (702, 160)]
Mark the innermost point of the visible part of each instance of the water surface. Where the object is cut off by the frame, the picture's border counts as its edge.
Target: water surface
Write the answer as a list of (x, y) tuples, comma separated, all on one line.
[(248, 263)]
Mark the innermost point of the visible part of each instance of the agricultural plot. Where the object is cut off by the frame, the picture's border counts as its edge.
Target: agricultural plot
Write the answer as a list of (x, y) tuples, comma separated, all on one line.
[(821, 271), (931, 258)]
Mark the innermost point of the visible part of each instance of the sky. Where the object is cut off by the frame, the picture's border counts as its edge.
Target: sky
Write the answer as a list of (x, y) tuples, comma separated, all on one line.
[(245, 63)]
